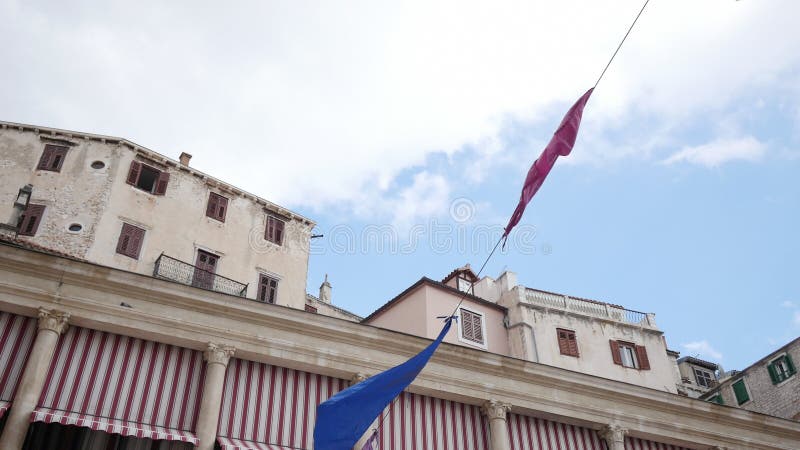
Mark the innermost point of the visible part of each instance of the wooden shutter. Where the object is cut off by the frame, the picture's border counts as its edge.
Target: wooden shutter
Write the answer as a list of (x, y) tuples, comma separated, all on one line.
[(278, 232), (161, 183), (30, 219), (130, 241), (133, 172), (641, 354), (211, 208), (563, 346), (222, 208), (477, 326), (615, 352), (466, 325), (44, 160), (740, 391), (773, 373), (789, 364)]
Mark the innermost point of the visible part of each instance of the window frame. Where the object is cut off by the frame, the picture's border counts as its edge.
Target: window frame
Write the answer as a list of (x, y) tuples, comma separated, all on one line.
[(717, 398), (484, 343), (710, 376), (777, 376), (49, 153), (639, 357), (569, 341), (33, 213), (278, 232), (215, 203), (124, 250), (159, 184), (739, 401), (261, 277)]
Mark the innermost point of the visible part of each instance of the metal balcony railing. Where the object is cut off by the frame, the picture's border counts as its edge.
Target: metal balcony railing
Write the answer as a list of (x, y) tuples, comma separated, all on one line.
[(171, 269), (589, 308)]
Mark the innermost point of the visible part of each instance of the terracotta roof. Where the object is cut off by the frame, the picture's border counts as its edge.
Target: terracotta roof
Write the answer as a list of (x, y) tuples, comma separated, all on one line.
[(436, 284), (465, 268)]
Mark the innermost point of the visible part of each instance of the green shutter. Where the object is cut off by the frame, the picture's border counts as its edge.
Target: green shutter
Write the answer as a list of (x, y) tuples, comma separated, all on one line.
[(773, 373), (789, 363), (717, 399), (740, 391)]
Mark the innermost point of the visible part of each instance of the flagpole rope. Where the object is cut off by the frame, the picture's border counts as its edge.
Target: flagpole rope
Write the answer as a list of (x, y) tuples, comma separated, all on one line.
[(621, 42)]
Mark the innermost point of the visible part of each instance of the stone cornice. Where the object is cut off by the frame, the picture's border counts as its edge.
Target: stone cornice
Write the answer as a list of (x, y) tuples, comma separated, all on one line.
[(181, 315), (569, 312)]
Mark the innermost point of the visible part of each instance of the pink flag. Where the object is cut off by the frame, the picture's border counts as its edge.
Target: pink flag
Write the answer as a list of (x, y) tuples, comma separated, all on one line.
[(560, 145)]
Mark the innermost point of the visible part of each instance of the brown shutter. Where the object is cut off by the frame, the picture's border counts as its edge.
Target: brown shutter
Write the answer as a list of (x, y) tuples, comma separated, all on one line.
[(573, 345), (211, 208), (30, 219), (615, 352), (279, 232), (136, 242), (563, 346), (222, 207), (133, 172), (44, 161), (161, 183), (477, 327), (466, 325), (641, 354), (130, 241)]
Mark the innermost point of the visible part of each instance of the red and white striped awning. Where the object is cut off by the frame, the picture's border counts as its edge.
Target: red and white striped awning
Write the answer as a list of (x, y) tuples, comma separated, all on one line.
[(271, 406), (529, 433), (420, 422), (632, 443), (238, 444), (123, 385), (17, 334)]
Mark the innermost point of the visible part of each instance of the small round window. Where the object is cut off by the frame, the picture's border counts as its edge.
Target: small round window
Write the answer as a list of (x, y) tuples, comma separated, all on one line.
[(98, 165), (75, 227)]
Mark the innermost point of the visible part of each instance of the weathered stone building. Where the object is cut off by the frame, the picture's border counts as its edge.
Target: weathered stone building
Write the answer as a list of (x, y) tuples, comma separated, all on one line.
[(769, 386), (113, 202)]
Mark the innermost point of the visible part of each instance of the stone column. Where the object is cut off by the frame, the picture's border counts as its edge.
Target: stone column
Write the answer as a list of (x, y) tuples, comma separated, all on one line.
[(496, 413), (217, 357), (355, 379), (51, 325), (614, 436)]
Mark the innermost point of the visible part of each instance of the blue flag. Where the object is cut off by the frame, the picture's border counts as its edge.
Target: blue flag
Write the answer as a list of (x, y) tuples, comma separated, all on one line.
[(343, 418)]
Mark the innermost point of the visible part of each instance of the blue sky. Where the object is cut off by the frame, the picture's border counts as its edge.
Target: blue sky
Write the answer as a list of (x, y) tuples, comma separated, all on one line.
[(680, 198)]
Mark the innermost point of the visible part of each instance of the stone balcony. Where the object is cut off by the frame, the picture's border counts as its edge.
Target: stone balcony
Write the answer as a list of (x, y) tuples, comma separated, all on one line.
[(589, 308)]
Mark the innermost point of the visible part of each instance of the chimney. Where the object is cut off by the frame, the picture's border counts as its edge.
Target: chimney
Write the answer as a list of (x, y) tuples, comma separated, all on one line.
[(325, 291), (185, 158)]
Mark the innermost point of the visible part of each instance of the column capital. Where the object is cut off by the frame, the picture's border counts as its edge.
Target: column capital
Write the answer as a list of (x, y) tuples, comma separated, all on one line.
[(494, 409), (218, 353), (53, 320), (357, 377), (613, 433)]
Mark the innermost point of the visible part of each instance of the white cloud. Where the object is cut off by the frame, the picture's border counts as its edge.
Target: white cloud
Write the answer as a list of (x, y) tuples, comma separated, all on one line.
[(796, 318), (315, 104), (703, 349), (720, 151), (789, 304)]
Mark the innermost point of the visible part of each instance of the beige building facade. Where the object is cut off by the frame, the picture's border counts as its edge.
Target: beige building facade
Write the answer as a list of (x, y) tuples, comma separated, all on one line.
[(112, 202), (249, 377)]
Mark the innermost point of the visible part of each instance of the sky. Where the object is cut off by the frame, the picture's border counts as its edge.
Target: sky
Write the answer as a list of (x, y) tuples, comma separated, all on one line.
[(405, 129)]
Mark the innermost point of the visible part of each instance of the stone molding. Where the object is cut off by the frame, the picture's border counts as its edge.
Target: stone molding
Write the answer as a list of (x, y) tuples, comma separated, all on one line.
[(613, 433), (218, 354), (53, 320), (177, 315), (494, 409), (357, 377)]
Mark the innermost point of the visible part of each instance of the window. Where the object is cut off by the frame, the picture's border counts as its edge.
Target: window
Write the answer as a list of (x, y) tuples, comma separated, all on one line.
[(704, 378), (781, 368), (267, 288), (629, 355), (310, 308), (30, 219), (217, 207), (740, 392), (472, 327), (464, 285), (130, 241), (717, 398), (52, 158), (148, 178), (274, 230), (567, 343)]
